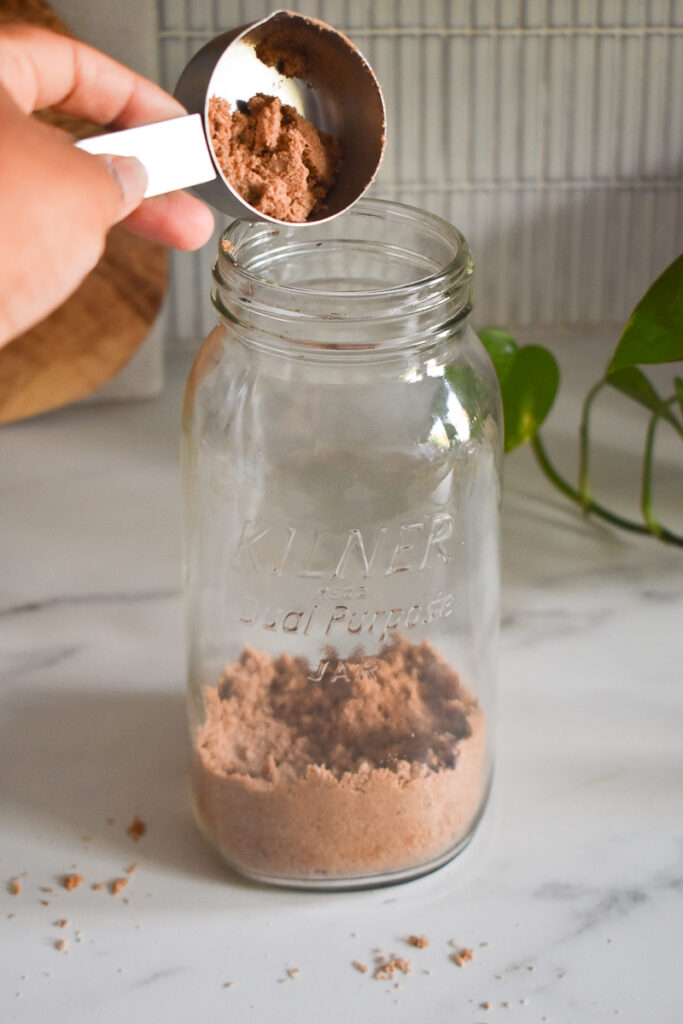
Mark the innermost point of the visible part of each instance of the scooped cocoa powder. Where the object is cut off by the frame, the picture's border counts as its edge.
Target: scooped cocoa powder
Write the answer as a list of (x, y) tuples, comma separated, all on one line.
[(277, 160), (376, 772)]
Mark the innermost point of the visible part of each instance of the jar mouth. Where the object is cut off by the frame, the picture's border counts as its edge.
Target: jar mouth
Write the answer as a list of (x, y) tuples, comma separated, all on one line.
[(379, 258)]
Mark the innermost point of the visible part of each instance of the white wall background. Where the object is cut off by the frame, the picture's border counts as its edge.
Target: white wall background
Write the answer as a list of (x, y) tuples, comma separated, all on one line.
[(549, 131)]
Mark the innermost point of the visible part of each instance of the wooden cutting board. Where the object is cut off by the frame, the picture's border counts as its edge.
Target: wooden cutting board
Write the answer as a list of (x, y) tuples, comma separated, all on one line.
[(94, 334)]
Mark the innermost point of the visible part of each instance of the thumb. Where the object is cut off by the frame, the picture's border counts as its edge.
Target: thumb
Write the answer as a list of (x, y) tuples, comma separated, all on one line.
[(130, 178)]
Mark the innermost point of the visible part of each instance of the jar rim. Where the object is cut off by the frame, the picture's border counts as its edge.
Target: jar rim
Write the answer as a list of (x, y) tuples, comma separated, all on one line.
[(454, 272)]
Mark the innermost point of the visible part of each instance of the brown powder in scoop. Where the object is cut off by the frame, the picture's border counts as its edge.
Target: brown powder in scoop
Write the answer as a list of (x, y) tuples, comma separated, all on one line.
[(277, 160), (376, 772)]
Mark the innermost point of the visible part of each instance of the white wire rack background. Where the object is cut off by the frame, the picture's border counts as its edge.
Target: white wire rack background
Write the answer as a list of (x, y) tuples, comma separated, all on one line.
[(549, 131)]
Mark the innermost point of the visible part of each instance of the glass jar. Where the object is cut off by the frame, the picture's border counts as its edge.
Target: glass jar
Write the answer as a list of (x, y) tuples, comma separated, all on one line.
[(341, 458)]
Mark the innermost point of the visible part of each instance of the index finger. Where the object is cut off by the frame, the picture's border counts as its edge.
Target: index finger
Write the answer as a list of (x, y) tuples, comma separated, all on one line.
[(43, 69)]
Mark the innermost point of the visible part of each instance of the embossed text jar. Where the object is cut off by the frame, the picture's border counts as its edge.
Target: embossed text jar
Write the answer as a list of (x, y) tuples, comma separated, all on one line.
[(342, 448)]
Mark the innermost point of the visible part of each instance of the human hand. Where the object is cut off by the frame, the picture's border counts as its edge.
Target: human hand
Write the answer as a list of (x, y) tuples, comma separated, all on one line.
[(57, 202)]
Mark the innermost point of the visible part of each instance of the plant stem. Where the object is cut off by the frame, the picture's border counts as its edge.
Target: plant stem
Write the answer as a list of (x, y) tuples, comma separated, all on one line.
[(646, 485), (591, 506), (654, 525), (584, 491)]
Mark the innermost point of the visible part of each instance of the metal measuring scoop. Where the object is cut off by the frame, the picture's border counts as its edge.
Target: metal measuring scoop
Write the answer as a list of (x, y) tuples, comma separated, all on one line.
[(315, 69)]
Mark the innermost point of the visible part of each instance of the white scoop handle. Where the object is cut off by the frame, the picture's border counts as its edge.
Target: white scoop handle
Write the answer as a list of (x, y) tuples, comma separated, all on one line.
[(174, 153)]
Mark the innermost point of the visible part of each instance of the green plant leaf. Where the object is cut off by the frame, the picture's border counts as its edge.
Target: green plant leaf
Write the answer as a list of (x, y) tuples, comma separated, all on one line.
[(654, 332), (528, 388), (632, 382), (678, 385), (501, 347)]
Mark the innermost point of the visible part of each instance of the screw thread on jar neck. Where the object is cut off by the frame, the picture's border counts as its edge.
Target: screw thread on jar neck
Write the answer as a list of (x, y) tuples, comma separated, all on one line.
[(382, 276)]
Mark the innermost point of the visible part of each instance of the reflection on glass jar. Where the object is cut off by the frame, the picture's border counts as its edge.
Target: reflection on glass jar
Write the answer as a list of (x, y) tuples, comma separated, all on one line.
[(341, 459)]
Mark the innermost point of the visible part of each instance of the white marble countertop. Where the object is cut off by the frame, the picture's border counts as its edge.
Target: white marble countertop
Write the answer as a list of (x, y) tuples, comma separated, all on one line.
[(571, 894)]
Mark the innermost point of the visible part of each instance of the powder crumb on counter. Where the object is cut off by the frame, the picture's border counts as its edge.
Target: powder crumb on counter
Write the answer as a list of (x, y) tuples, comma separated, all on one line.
[(14, 887), (46, 888), (62, 923), (419, 941), (462, 956), (385, 971), (137, 828), (118, 884), (61, 945), (293, 972), (228, 984), (277, 160), (484, 1006), (45, 903), (360, 966), (71, 882), (131, 869)]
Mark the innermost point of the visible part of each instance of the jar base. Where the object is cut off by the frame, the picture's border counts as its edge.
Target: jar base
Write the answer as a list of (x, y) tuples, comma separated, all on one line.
[(353, 882)]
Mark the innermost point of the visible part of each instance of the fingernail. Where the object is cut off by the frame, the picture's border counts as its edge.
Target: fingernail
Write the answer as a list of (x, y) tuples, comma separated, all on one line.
[(131, 177)]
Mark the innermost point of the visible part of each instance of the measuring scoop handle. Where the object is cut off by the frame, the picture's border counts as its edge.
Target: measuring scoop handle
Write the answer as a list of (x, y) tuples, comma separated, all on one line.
[(174, 153)]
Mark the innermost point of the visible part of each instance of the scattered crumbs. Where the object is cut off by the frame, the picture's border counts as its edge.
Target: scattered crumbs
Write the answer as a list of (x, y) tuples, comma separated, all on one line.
[(228, 984), (398, 984), (46, 888), (462, 956), (561, 974), (47, 974), (293, 972), (79, 936), (530, 967), (136, 828), (15, 887), (353, 935), (72, 881), (126, 900), (387, 968), (609, 940), (46, 903), (61, 945), (506, 1004), (10, 916), (62, 923), (118, 884), (97, 886), (484, 1006), (498, 977), (524, 1002), (378, 950), (483, 943), (131, 869), (360, 966), (419, 941), (427, 970)]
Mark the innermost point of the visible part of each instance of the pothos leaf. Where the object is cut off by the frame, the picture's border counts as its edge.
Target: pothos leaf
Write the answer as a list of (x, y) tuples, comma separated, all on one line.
[(632, 382), (528, 379), (654, 332), (501, 347), (678, 384), (528, 388)]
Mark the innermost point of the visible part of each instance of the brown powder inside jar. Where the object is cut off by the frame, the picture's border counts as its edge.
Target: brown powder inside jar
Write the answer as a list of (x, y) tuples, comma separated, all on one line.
[(277, 160), (380, 771)]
